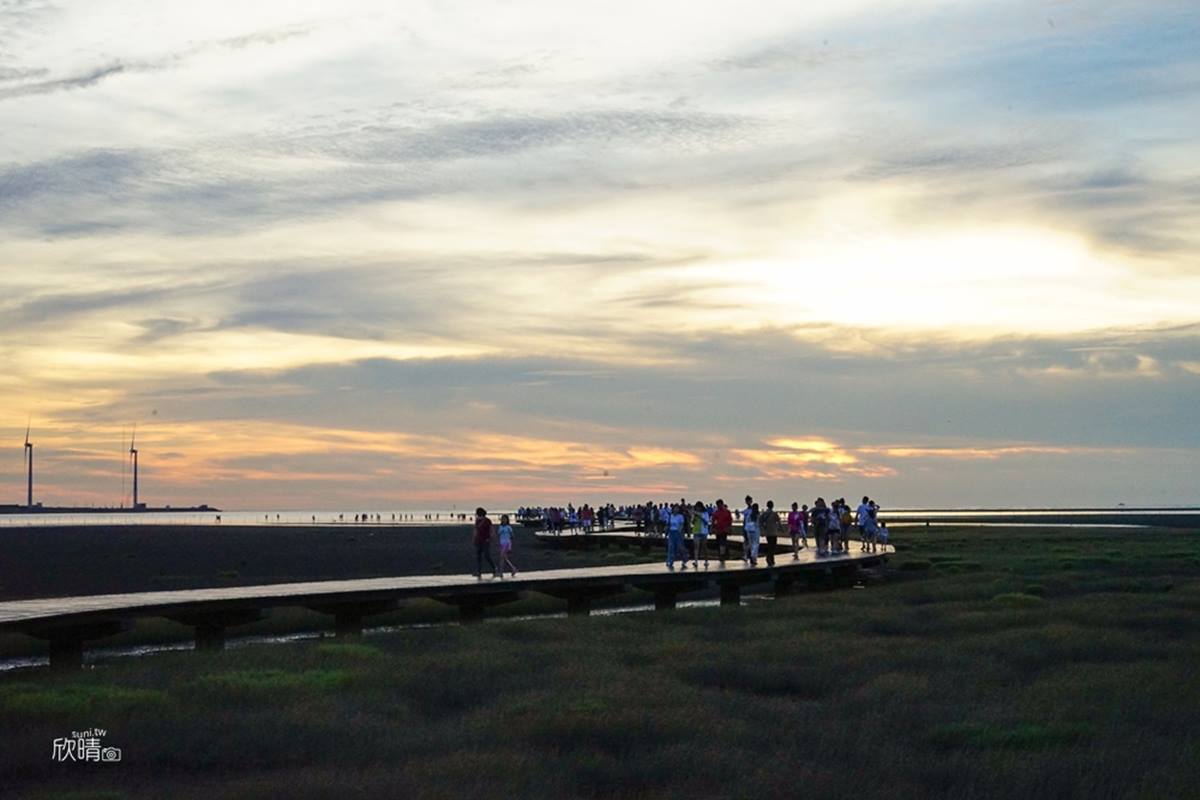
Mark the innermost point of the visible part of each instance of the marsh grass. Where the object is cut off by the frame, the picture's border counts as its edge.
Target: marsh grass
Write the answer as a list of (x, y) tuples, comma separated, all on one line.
[(1017, 736), (1013, 680), (254, 684), (76, 699)]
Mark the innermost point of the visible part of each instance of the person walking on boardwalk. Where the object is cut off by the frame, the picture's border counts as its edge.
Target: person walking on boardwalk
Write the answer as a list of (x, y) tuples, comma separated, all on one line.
[(769, 527), (750, 533), (675, 545), (870, 530), (745, 517), (700, 525), (506, 546), (862, 515), (834, 528), (686, 510), (483, 542), (795, 523), (845, 520), (820, 523), (722, 525)]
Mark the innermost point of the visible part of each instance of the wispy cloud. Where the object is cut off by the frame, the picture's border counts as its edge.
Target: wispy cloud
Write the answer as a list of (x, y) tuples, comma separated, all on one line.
[(36, 82)]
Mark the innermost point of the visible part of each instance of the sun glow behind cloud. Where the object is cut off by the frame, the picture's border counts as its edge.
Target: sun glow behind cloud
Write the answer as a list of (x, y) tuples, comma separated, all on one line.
[(973, 282)]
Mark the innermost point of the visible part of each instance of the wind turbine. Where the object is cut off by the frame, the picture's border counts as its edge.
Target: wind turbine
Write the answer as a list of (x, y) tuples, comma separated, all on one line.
[(133, 453), (124, 467), (29, 462)]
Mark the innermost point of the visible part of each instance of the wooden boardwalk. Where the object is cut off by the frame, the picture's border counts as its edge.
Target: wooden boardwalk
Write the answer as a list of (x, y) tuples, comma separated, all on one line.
[(68, 622)]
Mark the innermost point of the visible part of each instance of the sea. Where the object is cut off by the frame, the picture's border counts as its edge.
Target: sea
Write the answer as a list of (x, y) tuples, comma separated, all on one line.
[(1183, 517)]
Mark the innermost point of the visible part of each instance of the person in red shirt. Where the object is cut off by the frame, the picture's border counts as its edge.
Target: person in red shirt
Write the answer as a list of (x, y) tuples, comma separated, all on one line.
[(483, 542), (722, 525)]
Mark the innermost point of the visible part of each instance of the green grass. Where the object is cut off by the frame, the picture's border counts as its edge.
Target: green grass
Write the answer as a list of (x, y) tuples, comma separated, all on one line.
[(254, 684), (1015, 679), (76, 699), (1017, 736), (1018, 599)]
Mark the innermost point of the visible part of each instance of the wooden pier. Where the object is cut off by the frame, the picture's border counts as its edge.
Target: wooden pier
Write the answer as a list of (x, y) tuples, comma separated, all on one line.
[(68, 623)]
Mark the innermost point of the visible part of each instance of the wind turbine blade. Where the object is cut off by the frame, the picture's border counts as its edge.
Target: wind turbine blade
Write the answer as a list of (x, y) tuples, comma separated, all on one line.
[(28, 425)]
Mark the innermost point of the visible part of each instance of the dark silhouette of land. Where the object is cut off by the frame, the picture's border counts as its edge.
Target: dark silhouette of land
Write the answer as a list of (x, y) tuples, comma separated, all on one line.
[(102, 559), (140, 508)]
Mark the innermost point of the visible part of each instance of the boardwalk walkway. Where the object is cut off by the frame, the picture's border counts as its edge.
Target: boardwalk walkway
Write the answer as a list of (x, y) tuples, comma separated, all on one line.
[(68, 622)]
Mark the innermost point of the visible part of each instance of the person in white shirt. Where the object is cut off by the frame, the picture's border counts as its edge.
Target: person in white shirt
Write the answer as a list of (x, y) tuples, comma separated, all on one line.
[(750, 532), (862, 519)]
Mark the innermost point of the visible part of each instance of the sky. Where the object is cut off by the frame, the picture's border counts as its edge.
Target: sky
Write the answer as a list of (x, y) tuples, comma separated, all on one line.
[(404, 255)]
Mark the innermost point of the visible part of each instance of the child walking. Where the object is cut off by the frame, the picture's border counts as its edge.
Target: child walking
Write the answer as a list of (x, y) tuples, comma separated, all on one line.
[(506, 546)]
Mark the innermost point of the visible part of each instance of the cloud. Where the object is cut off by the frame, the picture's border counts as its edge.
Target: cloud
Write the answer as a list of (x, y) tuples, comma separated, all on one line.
[(97, 74), (1064, 392), (80, 81), (59, 308), (20, 74), (507, 134)]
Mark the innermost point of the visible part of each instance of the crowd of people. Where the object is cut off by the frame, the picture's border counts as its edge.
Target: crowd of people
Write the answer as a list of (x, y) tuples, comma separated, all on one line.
[(829, 525), (686, 527), (557, 519)]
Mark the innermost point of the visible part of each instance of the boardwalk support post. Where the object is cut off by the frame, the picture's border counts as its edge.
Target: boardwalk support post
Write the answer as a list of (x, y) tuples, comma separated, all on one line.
[(579, 600), (348, 616), (210, 625), (66, 641), (666, 592), (472, 606), (784, 585), (579, 605), (731, 594), (665, 598), (66, 654)]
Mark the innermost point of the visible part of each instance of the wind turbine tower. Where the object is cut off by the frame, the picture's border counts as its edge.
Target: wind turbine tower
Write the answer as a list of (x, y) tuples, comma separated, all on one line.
[(29, 463), (133, 453)]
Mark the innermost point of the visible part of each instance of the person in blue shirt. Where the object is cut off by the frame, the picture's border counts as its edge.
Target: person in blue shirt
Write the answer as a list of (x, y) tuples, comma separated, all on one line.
[(675, 545)]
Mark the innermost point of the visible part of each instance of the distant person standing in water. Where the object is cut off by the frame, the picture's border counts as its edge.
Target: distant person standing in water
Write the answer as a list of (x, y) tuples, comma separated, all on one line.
[(483, 542), (506, 546)]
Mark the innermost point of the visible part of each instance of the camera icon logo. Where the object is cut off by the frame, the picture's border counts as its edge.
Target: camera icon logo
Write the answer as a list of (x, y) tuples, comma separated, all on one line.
[(110, 754)]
